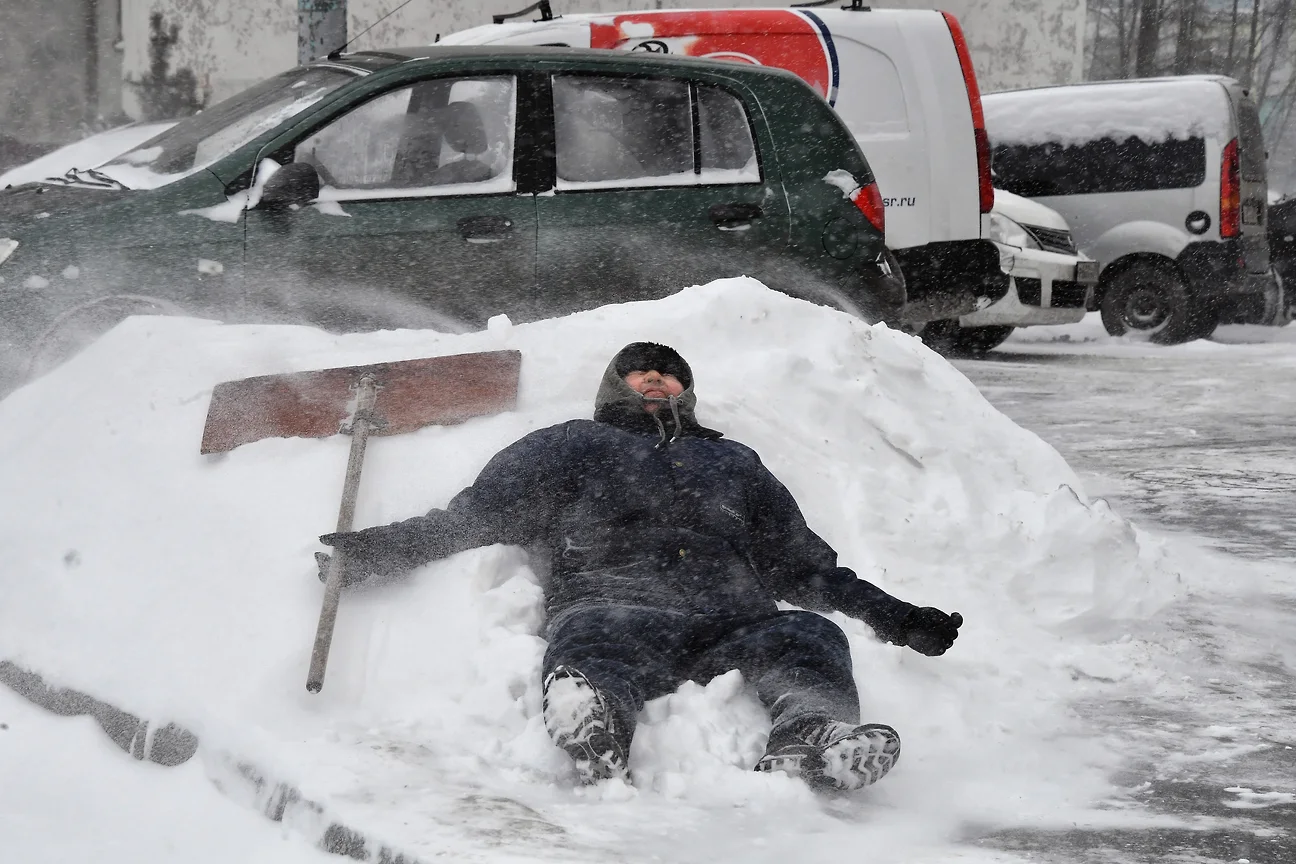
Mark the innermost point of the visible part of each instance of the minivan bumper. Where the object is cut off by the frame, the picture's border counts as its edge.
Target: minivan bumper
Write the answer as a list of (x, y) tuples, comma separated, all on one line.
[(949, 280), (1217, 272), (1044, 288)]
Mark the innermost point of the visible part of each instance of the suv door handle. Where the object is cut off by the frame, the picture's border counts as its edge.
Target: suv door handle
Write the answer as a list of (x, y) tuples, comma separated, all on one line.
[(738, 211), (485, 229)]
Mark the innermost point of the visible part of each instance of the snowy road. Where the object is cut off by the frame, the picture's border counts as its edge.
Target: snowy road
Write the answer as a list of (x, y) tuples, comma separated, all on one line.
[(1199, 442)]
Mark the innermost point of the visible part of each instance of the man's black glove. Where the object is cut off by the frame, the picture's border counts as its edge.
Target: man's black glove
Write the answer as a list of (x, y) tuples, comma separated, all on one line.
[(357, 549), (930, 631)]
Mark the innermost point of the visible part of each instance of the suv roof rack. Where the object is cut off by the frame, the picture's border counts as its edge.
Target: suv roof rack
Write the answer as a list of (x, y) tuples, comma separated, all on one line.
[(855, 5), (546, 12)]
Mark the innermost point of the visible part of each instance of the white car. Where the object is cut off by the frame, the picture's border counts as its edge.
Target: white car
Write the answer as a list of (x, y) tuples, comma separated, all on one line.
[(1050, 281)]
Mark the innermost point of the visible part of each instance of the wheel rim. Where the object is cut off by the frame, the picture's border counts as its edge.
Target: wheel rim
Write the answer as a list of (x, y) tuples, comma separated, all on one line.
[(1146, 307)]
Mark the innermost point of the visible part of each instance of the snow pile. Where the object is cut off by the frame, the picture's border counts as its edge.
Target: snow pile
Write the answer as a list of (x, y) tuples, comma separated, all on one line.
[(183, 587), (1152, 111)]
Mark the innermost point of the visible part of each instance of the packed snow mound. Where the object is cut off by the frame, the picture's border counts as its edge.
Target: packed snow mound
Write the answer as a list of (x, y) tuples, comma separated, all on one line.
[(182, 586), (1152, 111)]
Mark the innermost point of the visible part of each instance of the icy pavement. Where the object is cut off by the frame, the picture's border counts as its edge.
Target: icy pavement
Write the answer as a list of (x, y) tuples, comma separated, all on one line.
[(1196, 441), (1199, 438)]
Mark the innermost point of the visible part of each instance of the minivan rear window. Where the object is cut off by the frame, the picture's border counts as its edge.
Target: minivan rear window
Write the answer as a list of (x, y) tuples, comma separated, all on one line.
[(1103, 165), (1251, 143)]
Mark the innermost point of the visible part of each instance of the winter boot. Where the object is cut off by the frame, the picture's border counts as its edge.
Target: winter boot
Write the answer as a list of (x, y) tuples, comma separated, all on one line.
[(831, 755), (581, 721)]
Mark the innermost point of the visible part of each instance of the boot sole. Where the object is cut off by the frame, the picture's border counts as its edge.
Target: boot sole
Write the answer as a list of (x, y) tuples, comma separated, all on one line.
[(850, 763)]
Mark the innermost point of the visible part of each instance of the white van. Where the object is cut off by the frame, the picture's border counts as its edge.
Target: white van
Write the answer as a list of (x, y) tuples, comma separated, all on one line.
[(1163, 181), (903, 82)]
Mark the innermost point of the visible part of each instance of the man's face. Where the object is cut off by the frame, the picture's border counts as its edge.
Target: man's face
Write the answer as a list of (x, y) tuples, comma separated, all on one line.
[(654, 385)]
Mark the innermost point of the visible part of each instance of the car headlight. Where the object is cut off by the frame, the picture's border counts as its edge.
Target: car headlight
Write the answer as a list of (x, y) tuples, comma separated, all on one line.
[(1006, 231), (7, 248)]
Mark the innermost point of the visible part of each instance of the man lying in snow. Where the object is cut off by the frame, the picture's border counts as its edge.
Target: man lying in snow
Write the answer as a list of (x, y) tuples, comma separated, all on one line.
[(666, 547)]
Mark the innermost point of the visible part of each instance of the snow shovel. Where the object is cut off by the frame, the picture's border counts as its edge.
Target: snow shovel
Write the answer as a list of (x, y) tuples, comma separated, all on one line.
[(382, 399)]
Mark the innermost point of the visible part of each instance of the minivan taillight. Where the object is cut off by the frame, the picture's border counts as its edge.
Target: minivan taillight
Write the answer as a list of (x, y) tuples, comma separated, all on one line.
[(869, 200), (985, 184), (1230, 192)]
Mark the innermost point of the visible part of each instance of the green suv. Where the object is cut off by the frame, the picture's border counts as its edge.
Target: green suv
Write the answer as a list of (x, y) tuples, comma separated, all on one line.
[(437, 187)]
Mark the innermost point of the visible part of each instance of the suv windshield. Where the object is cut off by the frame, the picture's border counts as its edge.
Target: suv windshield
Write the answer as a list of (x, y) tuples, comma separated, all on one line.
[(212, 134)]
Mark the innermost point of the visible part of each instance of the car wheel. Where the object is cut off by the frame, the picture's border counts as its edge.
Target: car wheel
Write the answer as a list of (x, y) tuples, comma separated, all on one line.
[(948, 337), (1149, 302), (82, 325)]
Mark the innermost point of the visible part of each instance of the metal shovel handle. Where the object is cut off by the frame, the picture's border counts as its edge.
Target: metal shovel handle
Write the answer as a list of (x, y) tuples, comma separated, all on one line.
[(367, 394)]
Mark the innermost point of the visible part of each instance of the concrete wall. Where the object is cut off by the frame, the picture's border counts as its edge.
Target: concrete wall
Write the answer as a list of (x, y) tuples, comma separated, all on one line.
[(230, 44), (46, 96)]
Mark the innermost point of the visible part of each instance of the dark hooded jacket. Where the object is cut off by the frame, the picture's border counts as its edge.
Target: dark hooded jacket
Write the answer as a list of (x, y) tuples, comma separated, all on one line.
[(624, 509)]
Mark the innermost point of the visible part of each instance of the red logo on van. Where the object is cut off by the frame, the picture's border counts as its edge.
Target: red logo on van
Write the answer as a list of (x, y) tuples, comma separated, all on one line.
[(783, 38)]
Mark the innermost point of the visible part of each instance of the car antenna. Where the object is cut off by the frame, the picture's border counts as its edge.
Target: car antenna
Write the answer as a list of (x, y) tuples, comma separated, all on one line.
[(546, 12), (337, 52)]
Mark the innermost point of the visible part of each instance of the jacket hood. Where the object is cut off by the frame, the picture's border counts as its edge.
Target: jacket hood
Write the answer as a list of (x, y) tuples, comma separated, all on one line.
[(618, 405)]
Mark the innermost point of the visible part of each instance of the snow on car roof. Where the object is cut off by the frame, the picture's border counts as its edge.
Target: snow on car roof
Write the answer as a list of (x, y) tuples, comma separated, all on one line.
[(1151, 110)]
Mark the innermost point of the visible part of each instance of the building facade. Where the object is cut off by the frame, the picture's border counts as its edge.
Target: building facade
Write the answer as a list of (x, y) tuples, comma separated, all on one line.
[(230, 44), (60, 69)]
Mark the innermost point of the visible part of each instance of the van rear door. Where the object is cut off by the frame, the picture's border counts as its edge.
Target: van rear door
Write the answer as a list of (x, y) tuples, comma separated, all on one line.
[(903, 96), (1254, 185)]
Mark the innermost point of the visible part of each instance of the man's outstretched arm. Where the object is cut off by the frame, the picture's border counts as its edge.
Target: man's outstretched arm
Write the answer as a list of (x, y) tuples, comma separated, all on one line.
[(803, 569), (511, 501)]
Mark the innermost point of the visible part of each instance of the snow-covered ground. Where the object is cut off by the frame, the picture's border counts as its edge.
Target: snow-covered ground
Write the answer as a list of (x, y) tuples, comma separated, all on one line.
[(1094, 339), (181, 587)]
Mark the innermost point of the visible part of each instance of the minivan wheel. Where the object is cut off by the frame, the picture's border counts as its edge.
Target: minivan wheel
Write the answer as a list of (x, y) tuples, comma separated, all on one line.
[(78, 327), (1150, 302), (948, 337)]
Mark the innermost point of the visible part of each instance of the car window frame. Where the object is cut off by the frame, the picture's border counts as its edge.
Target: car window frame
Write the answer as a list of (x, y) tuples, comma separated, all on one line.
[(694, 82), (281, 148)]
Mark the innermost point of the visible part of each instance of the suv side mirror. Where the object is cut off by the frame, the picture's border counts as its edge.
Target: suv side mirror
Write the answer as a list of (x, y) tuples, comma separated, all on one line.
[(296, 183)]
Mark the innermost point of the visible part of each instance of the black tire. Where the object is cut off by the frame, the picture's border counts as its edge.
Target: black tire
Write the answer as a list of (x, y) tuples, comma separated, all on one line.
[(1147, 301), (947, 337)]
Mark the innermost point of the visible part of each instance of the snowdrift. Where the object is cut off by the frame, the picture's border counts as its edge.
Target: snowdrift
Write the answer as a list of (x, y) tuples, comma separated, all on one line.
[(182, 587)]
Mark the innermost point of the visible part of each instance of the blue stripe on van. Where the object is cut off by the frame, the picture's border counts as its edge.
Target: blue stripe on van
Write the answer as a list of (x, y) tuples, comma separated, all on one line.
[(832, 53)]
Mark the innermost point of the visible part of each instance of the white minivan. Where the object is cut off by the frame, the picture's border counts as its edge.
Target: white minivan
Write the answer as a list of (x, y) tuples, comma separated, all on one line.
[(1163, 181), (903, 82)]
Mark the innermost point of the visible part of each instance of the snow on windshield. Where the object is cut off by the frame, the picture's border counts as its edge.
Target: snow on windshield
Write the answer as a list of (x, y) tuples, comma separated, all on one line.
[(1152, 111), (89, 152), (194, 595), (132, 168)]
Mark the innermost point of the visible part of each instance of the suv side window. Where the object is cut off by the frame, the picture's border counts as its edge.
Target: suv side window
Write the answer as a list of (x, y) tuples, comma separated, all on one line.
[(446, 136), (1104, 165), (726, 137), (634, 132)]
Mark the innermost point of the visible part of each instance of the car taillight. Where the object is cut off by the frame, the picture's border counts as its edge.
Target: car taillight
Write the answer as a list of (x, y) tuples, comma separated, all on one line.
[(1230, 192), (985, 185), (869, 200)]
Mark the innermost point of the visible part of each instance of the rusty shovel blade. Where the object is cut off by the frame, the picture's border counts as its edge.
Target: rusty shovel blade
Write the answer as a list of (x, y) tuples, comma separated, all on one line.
[(411, 394)]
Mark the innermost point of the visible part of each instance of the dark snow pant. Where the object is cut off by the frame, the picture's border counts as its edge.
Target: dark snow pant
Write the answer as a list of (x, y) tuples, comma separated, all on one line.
[(798, 662)]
